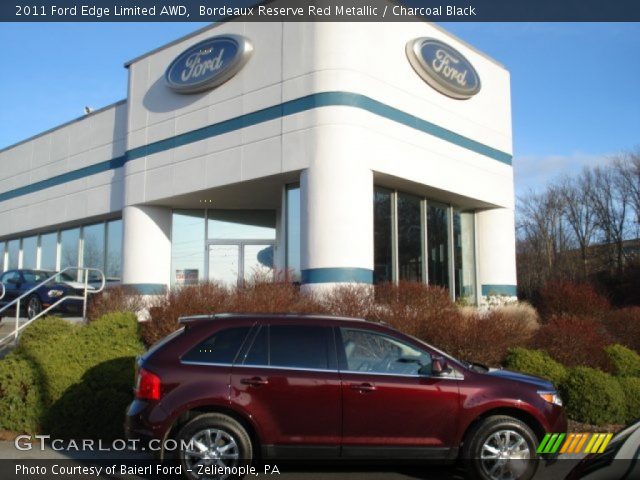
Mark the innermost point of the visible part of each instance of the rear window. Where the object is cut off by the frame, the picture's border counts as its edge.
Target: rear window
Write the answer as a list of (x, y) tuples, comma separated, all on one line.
[(221, 347)]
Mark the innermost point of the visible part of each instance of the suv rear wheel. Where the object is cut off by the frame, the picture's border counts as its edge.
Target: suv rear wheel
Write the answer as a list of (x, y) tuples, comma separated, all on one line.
[(214, 443), (501, 447)]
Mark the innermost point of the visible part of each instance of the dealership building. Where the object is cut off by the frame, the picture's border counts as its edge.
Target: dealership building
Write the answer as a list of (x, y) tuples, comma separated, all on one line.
[(340, 152)]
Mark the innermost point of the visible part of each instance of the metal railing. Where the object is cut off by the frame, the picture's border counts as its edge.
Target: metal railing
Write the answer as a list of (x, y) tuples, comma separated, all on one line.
[(52, 278)]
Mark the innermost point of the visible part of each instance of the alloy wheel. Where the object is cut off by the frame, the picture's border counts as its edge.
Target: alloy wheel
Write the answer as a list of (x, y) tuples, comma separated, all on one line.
[(505, 455), (33, 307), (212, 447)]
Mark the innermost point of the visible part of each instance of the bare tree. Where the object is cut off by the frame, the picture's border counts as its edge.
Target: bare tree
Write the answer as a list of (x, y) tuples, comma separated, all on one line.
[(627, 166), (579, 212), (610, 206)]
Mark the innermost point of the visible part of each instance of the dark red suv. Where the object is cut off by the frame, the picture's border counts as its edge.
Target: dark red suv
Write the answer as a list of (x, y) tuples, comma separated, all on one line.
[(233, 388)]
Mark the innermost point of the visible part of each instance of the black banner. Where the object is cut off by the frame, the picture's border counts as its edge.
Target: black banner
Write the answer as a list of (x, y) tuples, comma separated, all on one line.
[(320, 10)]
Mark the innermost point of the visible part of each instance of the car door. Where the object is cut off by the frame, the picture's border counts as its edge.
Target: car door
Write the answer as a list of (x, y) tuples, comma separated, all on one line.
[(287, 381), (391, 405), (11, 281)]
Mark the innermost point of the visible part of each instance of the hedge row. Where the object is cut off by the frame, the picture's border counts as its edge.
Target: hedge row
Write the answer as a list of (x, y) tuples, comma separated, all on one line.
[(590, 395), (69, 380)]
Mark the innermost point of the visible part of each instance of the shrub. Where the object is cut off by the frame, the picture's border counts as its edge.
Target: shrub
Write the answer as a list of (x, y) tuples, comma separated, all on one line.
[(574, 340), (563, 297), (592, 396), (76, 372), (625, 362), (631, 388), (21, 405), (114, 299), (523, 313), (624, 326), (205, 298), (349, 301), (536, 362)]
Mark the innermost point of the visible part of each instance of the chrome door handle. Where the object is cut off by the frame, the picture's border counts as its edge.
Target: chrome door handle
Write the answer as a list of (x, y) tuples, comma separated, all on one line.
[(363, 387), (254, 381)]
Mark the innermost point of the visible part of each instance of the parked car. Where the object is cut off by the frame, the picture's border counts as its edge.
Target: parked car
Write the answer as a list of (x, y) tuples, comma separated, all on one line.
[(619, 461), (236, 387), (18, 282)]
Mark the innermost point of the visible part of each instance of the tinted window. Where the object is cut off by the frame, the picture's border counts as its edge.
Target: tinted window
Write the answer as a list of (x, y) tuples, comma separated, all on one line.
[(299, 346), (377, 353), (219, 348), (259, 352), (9, 275)]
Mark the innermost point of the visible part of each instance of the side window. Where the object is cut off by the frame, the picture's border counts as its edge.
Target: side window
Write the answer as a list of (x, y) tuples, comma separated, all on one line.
[(258, 353), (373, 352), (5, 278), (221, 347), (299, 346)]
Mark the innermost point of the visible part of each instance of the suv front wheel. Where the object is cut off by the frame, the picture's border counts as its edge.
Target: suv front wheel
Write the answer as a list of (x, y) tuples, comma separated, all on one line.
[(501, 447), (213, 445)]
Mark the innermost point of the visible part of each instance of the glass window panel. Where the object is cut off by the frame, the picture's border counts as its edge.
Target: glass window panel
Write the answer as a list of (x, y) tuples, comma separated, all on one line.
[(464, 255), (438, 245), (382, 271), (93, 247), (187, 245), (224, 266), (2, 256), (409, 238), (114, 250), (258, 354), (293, 232), (29, 252), (242, 224), (13, 253), (48, 250), (69, 240), (258, 262), (220, 348), (299, 346)]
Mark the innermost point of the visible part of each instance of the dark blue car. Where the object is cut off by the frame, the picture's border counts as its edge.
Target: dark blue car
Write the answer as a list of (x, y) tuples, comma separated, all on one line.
[(18, 282)]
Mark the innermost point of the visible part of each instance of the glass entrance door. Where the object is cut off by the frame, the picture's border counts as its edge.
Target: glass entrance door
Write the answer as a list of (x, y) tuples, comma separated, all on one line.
[(224, 264), (231, 264)]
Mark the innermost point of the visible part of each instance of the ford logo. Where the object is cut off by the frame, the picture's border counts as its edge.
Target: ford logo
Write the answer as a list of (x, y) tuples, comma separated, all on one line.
[(208, 64), (443, 67)]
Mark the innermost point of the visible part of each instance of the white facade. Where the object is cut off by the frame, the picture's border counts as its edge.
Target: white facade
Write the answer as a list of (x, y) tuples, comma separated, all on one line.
[(335, 108)]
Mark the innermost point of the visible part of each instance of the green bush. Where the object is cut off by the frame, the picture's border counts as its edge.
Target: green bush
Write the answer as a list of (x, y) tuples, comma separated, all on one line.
[(536, 362), (631, 388), (592, 396), (21, 406), (625, 362), (74, 373)]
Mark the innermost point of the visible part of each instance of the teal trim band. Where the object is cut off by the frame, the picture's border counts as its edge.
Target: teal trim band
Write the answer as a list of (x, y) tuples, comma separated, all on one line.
[(336, 275), (291, 107), (146, 288), (506, 290)]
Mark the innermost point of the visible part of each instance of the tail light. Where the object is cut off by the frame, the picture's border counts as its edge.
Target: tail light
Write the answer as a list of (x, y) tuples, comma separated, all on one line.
[(147, 385)]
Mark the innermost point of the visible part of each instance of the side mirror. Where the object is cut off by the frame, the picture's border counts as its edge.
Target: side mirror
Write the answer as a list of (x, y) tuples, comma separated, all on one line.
[(439, 366)]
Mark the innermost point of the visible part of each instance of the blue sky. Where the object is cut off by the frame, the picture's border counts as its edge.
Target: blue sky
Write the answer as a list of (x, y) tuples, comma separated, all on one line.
[(575, 87)]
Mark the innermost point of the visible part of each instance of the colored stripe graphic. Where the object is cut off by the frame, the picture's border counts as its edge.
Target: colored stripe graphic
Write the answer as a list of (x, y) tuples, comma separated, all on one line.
[(551, 443), (573, 443)]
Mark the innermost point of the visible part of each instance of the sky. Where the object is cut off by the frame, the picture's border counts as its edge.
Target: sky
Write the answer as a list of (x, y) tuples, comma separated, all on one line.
[(574, 87)]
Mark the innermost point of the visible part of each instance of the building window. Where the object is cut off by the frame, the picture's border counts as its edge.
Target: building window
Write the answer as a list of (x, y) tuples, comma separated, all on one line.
[(187, 246), (438, 244), (114, 250), (464, 254), (29, 252), (241, 224), (93, 250), (419, 240), (293, 231), (69, 241), (48, 251), (13, 254), (382, 225), (409, 238), (2, 257)]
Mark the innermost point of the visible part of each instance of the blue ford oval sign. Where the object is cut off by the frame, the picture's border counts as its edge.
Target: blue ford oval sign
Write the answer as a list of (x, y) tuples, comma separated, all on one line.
[(443, 67), (208, 64)]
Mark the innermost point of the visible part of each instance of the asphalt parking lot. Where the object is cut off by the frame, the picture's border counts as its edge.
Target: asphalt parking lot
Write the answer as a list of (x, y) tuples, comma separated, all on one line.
[(10, 457)]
